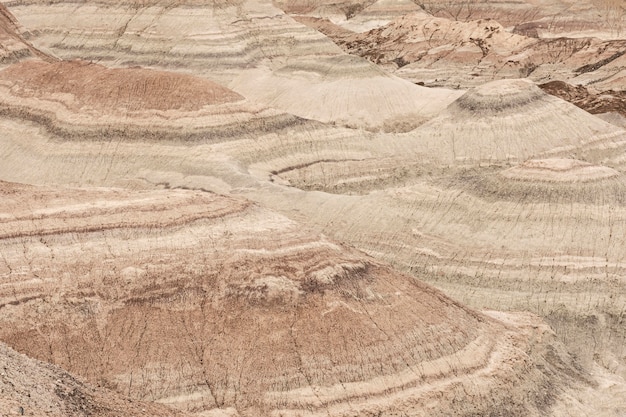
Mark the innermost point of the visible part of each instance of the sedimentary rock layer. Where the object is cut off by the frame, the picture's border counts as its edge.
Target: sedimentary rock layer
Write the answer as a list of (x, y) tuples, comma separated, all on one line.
[(508, 199), (207, 302), (13, 46), (33, 388), (251, 47), (376, 15), (593, 102), (77, 100), (451, 53), (513, 120), (214, 40), (328, 92)]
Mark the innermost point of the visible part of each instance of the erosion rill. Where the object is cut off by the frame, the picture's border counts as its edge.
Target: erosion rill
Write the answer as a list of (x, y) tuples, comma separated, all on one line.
[(202, 302), (213, 206)]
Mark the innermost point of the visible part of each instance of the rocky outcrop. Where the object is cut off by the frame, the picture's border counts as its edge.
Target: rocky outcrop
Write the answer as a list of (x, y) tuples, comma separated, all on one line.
[(439, 51), (595, 103)]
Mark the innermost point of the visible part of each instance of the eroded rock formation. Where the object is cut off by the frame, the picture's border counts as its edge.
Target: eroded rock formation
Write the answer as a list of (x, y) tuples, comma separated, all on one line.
[(207, 302), (502, 196)]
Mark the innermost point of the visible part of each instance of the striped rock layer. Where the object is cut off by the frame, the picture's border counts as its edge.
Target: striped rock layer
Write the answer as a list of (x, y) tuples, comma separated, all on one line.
[(206, 302), (502, 197)]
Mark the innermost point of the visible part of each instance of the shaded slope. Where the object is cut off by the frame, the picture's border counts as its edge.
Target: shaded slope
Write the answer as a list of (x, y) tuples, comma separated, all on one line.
[(13, 46), (594, 103), (29, 387)]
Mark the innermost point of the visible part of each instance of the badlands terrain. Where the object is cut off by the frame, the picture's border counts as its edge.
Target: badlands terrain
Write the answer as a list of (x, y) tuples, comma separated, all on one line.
[(235, 208)]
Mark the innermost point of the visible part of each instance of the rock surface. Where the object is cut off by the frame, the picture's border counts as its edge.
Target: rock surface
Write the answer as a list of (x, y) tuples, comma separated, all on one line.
[(212, 303), (33, 388), (61, 96), (595, 103), (192, 157), (437, 51), (13, 46)]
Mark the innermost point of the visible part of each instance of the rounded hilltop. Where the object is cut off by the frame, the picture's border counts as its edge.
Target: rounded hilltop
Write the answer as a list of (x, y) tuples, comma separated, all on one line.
[(127, 89), (510, 121), (129, 103), (500, 96), (206, 302)]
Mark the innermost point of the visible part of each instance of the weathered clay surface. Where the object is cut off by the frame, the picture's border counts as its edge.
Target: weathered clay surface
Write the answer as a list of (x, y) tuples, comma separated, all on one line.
[(438, 51), (341, 96), (13, 46), (595, 103), (500, 195), (207, 302), (61, 97), (511, 120), (33, 388)]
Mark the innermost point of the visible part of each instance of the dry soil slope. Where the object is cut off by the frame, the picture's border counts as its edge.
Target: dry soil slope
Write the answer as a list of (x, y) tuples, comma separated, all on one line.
[(77, 100), (545, 236), (513, 120), (215, 38), (446, 52), (141, 127), (13, 46), (501, 215), (252, 47), (378, 14), (447, 230), (345, 90), (502, 122), (33, 388), (207, 302)]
